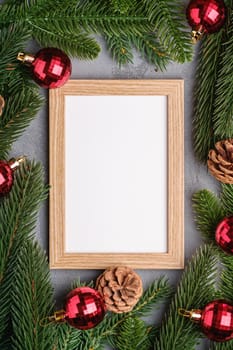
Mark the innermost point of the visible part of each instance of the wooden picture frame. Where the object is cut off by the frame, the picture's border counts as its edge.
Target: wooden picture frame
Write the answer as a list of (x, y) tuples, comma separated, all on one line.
[(173, 257)]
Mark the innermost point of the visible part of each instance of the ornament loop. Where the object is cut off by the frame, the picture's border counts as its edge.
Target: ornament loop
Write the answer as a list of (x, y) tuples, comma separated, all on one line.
[(185, 313), (25, 58), (59, 316)]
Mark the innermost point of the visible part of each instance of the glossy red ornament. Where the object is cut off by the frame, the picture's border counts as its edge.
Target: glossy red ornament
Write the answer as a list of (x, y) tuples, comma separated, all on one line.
[(224, 234), (6, 174), (51, 67), (205, 16), (216, 319), (84, 309)]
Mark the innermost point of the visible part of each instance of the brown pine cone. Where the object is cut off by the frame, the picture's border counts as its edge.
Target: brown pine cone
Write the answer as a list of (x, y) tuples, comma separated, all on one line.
[(220, 161), (120, 287)]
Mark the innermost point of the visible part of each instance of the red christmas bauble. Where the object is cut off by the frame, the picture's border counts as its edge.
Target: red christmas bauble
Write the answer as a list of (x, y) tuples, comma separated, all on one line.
[(206, 16), (51, 67), (7, 174), (217, 320), (84, 308), (6, 177), (224, 234)]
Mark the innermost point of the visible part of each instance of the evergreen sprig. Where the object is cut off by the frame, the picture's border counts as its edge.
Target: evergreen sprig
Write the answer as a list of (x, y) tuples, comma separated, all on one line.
[(223, 107), (18, 212), (158, 32), (204, 94), (208, 212), (21, 108), (32, 300), (132, 334), (169, 21), (213, 107), (227, 198), (194, 291)]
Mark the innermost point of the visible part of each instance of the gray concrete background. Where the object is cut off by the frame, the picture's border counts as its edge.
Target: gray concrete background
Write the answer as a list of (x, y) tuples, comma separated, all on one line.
[(34, 143)]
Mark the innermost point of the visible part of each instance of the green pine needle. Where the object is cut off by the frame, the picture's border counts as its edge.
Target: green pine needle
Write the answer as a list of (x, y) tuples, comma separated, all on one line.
[(132, 334), (31, 300), (169, 22), (21, 108), (151, 50), (195, 290), (122, 6), (204, 94), (18, 214), (227, 198), (223, 111), (222, 346), (208, 212), (67, 338), (158, 292), (120, 48), (157, 30)]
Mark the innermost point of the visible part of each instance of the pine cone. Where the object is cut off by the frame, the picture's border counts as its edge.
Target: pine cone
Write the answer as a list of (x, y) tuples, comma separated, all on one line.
[(120, 287), (220, 161)]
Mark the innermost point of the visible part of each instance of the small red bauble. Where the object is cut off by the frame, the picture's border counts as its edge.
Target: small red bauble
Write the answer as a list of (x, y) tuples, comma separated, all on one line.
[(6, 174), (224, 234), (216, 320), (51, 67), (205, 16), (84, 309)]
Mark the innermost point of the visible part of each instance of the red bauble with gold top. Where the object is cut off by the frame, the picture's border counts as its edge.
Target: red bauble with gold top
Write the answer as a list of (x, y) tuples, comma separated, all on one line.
[(50, 67), (215, 319), (7, 174), (84, 309), (205, 16)]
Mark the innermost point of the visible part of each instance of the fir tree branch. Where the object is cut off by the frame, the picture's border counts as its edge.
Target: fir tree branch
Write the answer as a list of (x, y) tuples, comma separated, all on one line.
[(195, 290), (204, 94), (222, 346), (170, 24), (223, 106), (19, 111), (132, 334), (18, 213), (69, 39), (208, 212), (69, 24), (226, 290), (12, 41), (67, 338), (31, 300), (122, 6), (158, 292), (120, 48), (227, 198), (151, 50)]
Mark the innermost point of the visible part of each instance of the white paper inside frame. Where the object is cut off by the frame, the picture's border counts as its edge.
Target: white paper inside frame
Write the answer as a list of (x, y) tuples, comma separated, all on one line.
[(116, 174)]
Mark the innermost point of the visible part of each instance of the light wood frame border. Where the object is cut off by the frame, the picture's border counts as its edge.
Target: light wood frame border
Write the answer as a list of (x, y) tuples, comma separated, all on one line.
[(174, 257)]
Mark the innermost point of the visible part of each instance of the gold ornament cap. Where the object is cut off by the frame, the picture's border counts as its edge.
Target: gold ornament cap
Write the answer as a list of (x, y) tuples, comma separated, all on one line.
[(197, 34), (15, 162), (25, 58), (194, 314), (58, 316)]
